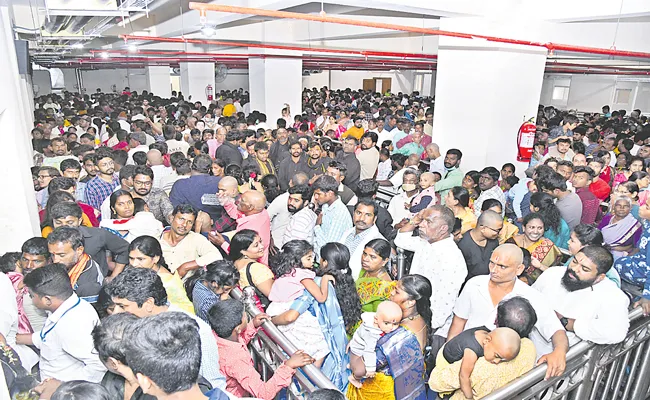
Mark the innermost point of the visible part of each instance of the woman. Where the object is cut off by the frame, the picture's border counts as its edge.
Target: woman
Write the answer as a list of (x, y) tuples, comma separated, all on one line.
[(621, 231), (542, 250), (122, 209), (622, 162), (457, 200), (374, 283), (145, 252), (587, 235), (633, 267), (58, 197), (642, 179), (607, 173), (210, 285), (400, 356), (557, 230), (630, 189), (636, 164), (218, 167), (245, 249), (470, 182)]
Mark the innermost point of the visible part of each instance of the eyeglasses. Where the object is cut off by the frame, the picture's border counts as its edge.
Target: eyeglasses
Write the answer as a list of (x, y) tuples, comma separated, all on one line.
[(492, 229), (140, 183)]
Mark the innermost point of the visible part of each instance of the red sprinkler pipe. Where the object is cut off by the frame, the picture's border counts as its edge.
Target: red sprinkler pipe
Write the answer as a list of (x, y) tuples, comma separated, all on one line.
[(596, 67), (204, 7)]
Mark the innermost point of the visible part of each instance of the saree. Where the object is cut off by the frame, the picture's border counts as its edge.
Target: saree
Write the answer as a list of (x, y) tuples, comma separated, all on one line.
[(372, 291), (400, 366), (543, 251), (625, 232)]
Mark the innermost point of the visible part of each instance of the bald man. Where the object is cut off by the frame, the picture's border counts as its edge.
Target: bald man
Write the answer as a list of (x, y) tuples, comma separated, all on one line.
[(228, 189), (478, 243), (477, 306), (155, 161), (436, 160), (250, 213)]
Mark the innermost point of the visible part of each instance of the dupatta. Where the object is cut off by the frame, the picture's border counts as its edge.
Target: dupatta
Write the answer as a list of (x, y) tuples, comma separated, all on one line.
[(400, 350)]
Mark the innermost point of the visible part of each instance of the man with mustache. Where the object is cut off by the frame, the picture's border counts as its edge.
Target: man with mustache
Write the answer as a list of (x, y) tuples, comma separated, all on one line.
[(363, 231), (588, 304)]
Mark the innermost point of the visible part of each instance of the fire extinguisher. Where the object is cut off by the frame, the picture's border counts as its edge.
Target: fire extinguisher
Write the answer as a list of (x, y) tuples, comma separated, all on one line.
[(526, 140), (209, 92)]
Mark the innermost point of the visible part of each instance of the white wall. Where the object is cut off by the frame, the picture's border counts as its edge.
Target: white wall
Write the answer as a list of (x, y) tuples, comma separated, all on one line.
[(590, 92), (236, 79), (104, 79), (42, 79), (400, 81)]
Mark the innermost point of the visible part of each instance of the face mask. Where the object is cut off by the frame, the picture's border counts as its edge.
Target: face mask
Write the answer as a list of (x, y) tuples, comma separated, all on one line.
[(450, 169), (408, 187)]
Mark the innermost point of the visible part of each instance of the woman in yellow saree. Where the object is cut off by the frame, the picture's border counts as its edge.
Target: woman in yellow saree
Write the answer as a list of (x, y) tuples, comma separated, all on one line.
[(374, 284)]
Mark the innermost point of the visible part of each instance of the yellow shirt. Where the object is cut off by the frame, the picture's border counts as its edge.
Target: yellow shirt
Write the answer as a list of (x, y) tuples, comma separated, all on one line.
[(354, 132), (228, 110), (259, 273), (467, 219), (176, 292)]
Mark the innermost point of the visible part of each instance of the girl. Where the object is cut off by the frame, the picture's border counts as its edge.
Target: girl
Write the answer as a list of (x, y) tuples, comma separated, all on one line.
[(210, 285), (470, 182), (293, 272)]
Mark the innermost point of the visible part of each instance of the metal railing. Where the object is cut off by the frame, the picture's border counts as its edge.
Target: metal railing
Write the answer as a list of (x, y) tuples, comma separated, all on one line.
[(273, 348), (619, 371)]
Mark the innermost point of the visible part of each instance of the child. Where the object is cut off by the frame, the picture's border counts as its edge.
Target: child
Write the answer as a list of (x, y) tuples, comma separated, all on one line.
[(229, 321), (502, 344), (363, 343), (426, 197), (384, 168), (208, 286), (294, 274)]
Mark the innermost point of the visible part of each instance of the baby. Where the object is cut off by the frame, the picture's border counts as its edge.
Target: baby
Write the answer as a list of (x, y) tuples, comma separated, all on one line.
[(426, 197), (502, 344), (363, 343)]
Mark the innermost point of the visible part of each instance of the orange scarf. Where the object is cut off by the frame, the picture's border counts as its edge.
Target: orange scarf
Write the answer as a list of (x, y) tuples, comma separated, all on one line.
[(75, 272)]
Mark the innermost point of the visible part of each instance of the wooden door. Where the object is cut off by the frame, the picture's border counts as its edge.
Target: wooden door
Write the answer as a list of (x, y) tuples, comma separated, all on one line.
[(386, 84), (368, 84)]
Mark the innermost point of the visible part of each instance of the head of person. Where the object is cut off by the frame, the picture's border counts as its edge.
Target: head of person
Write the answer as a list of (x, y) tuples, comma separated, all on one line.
[(109, 341), (622, 207), (251, 202), (66, 246), (48, 286), (553, 185), (59, 146), (183, 218), (294, 254), (121, 203), (563, 145), (228, 186), (506, 263), (46, 174), (587, 268), (584, 235), (202, 164), (62, 183), (471, 181), (410, 180), (34, 254), (227, 318), (507, 170), (364, 215), (219, 276), (565, 168), (295, 149), (579, 160), (489, 178), (367, 188), (388, 316), (70, 168), (437, 223), (78, 389), (350, 144), (325, 394), (299, 197), (103, 159), (427, 179), (517, 314), (457, 196), (413, 293), (628, 189), (452, 159), (501, 344), (89, 165), (138, 291), (325, 190), (533, 227), (582, 177), (246, 244), (369, 140), (145, 252), (336, 170), (164, 352), (376, 256), (489, 224), (641, 178)]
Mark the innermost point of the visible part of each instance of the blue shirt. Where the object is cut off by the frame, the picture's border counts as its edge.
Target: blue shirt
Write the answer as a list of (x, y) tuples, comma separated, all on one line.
[(203, 299), (192, 191), (336, 220)]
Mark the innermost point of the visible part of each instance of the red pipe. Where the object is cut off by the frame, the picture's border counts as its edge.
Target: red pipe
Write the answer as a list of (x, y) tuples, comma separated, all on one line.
[(595, 67), (583, 72), (204, 7)]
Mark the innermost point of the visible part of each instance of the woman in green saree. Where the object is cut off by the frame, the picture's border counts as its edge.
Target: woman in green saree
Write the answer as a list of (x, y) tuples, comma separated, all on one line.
[(374, 283)]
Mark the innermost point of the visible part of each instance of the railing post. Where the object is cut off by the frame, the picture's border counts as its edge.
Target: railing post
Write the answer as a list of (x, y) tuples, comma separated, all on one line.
[(642, 382), (583, 391), (401, 261)]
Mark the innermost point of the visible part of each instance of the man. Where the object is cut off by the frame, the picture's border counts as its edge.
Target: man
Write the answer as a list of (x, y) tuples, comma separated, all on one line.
[(436, 161), (453, 176), (567, 202), (173, 145), (280, 214), (399, 205), (156, 163), (102, 185), (351, 162), (66, 246), (367, 189), (97, 242), (60, 150), (229, 150), (280, 149), (250, 213), (364, 230), (156, 199), (582, 179), (89, 166), (400, 131), (71, 168), (589, 305), (338, 171), (598, 186), (478, 243), (183, 249), (291, 165), (355, 131), (137, 142), (45, 176), (302, 219), (569, 123), (334, 219), (436, 257), (65, 342), (181, 167), (414, 143), (140, 291), (560, 152), (261, 159), (34, 254), (316, 162), (488, 183), (609, 144), (428, 126), (368, 156), (579, 160), (476, 306)]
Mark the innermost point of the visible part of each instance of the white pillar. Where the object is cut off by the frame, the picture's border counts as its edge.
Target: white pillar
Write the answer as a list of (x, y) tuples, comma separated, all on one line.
[(484, 92), (195, 77), (274, 82), (159, 80), (18, 211)]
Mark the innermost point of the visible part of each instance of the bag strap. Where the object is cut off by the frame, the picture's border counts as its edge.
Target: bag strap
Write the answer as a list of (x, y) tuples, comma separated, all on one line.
[(249, 276)]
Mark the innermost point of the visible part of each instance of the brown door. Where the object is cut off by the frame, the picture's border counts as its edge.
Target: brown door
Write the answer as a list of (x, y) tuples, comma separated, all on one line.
[(368, 84), (386, 84)]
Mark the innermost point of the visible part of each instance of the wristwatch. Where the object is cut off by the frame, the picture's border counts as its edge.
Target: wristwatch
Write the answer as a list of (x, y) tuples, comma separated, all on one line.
[(564, 321)]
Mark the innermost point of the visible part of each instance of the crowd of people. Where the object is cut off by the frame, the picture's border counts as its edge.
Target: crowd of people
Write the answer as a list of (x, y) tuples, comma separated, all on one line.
[(154, 210)]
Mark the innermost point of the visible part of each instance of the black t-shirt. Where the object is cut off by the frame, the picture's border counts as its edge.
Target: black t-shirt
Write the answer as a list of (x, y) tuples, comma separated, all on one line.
[(477, 258), (455, 348)]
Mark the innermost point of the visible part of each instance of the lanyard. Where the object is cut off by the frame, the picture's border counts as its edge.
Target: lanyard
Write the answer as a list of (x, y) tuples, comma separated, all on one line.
[(43, 334)]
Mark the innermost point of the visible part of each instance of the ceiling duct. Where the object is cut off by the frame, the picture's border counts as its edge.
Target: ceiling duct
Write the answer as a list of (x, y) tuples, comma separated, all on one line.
[(78, 23), (55, 23)]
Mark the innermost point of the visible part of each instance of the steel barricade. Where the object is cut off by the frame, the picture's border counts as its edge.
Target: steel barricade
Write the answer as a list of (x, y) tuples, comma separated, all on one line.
[(618, 371), (273, 348)]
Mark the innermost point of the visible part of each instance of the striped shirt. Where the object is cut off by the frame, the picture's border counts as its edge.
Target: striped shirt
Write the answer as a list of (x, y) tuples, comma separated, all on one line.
[(301, 226), (336, 220)]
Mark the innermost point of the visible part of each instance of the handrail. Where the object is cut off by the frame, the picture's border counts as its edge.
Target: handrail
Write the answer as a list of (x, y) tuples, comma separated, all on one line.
[(535, 375), (313, 373)]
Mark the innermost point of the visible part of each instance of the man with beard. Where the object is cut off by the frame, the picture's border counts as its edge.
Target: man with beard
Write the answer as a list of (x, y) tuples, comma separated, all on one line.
[(66, 245), (303, 218), (156, 199), (291, 165), (103, 184), (589, 305), (280, 149), (363, 231), (316, 162), (368, 156), (60, 150), (338, 170), (453, 176), (279, 213)]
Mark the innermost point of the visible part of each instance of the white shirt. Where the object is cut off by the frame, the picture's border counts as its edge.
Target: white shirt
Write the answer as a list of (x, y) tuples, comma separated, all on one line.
[(384, 135), (159, 172), (280, 216), (357, 244), (438, 165), (443, 264), (600, 311), (383, 170), (124, 125), (174, 146), (368, 160), (144, 148), (475, 305), (396, 207), (66, 343)]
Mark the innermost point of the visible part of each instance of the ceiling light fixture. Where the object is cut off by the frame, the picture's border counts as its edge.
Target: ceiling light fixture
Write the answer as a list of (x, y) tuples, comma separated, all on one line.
[(105, 55), (208, 30), (132, 48)]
